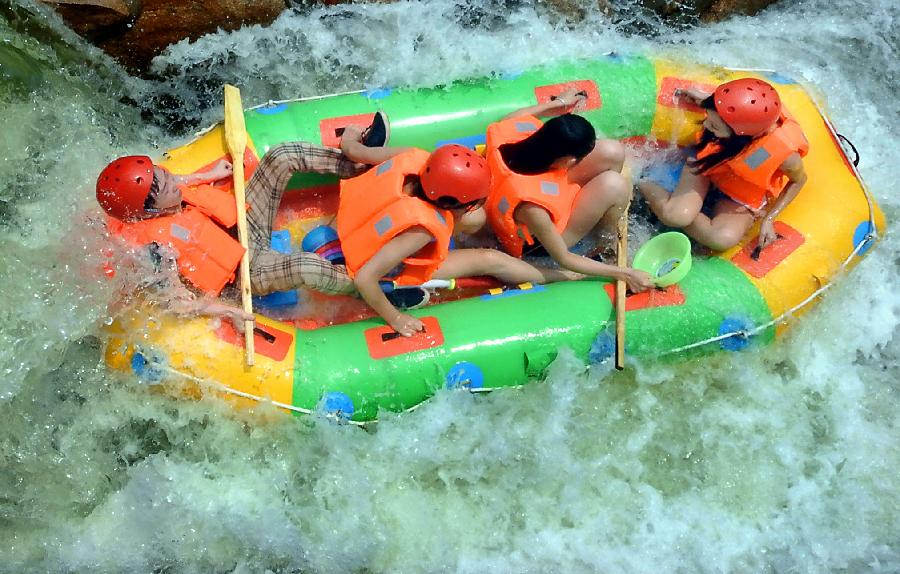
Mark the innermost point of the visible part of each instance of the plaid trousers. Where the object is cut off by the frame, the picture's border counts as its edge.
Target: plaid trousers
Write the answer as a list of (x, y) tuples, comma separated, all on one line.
[(269, 269)]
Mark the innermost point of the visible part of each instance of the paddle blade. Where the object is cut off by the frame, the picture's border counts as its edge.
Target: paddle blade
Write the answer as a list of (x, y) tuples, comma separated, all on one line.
[(235, 132)]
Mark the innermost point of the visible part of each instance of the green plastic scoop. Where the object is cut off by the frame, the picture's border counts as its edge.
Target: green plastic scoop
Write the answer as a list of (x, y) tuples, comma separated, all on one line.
[(666, 257)]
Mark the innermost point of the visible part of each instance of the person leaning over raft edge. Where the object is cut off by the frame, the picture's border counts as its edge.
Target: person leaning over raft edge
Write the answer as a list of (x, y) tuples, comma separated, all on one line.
[(186, 226)]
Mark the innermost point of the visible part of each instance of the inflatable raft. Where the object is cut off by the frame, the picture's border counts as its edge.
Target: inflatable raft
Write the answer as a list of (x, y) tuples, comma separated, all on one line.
[(731, 301)]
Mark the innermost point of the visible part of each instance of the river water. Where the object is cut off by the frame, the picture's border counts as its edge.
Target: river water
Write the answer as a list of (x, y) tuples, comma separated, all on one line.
[(782, 460)]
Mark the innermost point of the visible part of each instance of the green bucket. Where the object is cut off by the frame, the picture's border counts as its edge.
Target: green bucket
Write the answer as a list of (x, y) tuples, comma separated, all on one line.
[(666, 257)]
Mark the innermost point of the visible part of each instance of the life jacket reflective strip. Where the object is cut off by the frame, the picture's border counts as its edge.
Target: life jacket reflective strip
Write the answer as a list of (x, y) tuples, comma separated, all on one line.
[(373, 210), (753, 176), (551, 190), (206, 255)]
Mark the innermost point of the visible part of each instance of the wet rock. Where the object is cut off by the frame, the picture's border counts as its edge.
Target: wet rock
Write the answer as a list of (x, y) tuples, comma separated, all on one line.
[(125, 7), (721, 9), (689, 11), (636, 14), (135, 31)]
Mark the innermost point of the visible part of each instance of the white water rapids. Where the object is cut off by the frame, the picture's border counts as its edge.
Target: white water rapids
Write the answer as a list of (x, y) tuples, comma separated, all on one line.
[(782, 460)]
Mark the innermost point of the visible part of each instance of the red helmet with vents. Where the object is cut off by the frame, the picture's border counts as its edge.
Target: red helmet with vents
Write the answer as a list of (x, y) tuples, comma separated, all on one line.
[(455, 171), (123, 186), (749, 106)]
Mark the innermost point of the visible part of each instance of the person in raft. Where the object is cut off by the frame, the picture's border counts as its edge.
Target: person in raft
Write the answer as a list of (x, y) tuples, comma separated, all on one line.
[(555, 183), (750, 150), (396, 221), (189, 225)]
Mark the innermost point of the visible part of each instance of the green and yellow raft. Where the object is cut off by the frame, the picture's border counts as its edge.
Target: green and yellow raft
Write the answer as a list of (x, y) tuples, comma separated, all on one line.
[(504, 338)]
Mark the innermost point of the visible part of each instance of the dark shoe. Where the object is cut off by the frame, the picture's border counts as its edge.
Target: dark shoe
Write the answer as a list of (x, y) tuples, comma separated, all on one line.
[(377, 134), (409, 297)]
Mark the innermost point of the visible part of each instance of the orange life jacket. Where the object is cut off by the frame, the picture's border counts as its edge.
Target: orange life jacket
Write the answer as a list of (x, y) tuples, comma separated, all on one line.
[(753, 176), (373, 210), (206, 255), (551, 190)]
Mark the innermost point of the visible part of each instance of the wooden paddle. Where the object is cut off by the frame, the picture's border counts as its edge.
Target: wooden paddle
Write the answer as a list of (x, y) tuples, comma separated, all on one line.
[(621, 261), (236, 140)]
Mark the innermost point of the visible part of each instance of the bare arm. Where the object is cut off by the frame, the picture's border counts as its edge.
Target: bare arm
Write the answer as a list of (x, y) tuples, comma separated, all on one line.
[(541, 226), (353, 148), (386, 259), (175, 298), (163, 285), (221, 170), (570, 100), (793, 168)]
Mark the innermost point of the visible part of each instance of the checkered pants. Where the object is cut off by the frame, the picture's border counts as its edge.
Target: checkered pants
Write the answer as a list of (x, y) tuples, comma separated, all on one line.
[(269, 269)]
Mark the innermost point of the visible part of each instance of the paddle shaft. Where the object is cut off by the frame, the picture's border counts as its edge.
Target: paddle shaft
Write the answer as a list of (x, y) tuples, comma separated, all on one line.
[(236, 139), (621, 261)]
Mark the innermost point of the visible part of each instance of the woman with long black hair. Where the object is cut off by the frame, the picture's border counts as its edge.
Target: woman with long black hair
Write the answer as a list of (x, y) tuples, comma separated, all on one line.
[(554, 183), (750, 150)]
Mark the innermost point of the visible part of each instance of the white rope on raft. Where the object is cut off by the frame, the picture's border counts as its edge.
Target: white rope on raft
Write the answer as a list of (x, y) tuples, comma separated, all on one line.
[(787, 315), (226, 389)]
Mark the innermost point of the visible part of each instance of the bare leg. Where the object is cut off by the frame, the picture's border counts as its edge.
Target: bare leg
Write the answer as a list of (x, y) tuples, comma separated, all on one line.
[(727, 227), (604, 194), (599, 204), (681, 207), (607, 155), (508, 269)]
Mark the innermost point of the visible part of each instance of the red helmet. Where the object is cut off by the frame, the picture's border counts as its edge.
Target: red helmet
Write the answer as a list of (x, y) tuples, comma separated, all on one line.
[(749, 106), (123, 186), (455, 171)]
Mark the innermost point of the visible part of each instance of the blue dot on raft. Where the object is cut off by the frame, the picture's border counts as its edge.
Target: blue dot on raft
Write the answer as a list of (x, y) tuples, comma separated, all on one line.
[(777, 78), (859, 236), (464, 375), (510, 74), (272, 110), (138, 363), (145, 369), (377, 94), (603, 347), (337, 403), (733, 324)]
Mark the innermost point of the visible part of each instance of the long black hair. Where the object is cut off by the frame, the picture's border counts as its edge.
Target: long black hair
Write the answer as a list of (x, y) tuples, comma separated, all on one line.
[(562, 136), (728, 147)]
